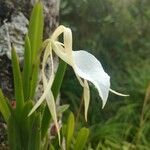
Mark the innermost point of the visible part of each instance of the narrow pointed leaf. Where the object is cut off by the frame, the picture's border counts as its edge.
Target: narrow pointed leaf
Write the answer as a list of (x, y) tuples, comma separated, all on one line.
[(27, 68), (36, 29), (34, 77), (58, 78), (17, 82), (35, 36)]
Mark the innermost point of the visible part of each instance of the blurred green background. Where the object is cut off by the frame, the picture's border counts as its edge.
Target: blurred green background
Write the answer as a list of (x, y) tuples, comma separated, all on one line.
[(118, 34)]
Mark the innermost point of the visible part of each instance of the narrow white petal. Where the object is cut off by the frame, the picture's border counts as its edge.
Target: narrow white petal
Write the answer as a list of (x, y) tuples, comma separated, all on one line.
[(50, 98), (52, 107), (42, 98), (47, 85), (86, 98), (57, 32), (89, 68), (68, 41), (60, 52)]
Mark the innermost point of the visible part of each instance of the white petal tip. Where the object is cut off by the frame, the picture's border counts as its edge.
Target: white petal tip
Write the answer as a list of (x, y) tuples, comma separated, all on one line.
[(29, 114), (86, 119), (103, 105)]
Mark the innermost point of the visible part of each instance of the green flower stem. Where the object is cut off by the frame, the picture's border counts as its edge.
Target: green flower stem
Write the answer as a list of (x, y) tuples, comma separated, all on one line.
[(55, 90)]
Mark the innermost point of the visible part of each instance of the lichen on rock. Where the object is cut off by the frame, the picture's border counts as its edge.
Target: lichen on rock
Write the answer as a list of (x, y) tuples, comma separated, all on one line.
[(13, 32)]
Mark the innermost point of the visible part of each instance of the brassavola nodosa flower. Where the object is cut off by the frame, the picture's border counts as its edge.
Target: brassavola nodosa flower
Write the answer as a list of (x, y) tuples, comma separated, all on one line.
[(86, 67)]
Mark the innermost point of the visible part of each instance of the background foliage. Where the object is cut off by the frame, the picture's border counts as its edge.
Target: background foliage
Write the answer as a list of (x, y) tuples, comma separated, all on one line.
[(118, 34)]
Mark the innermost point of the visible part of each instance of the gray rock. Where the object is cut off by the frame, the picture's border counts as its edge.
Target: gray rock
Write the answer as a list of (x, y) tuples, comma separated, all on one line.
[(13, 32)]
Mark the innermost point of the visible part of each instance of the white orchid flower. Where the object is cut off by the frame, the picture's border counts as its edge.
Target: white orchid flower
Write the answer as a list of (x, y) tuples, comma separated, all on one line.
[(86, 67)]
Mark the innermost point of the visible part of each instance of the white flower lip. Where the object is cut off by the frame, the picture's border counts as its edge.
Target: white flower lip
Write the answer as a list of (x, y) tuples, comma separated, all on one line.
[(89, 68), (85, 65)]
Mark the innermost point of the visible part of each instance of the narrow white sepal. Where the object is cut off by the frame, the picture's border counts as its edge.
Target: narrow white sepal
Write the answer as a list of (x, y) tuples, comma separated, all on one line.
[(86, 95), (42, 98), (117, 93)]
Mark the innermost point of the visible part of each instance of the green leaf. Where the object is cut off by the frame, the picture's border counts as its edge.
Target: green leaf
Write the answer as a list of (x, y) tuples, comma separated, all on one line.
[(35, 133), (45, 123), (14, 139), (69, 130), (35, 36), (19, 97), (81, 139), (63, 130), (25, 124), (59, 78), (36, 29), (4, 108), (27, 68), (34, 78)]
